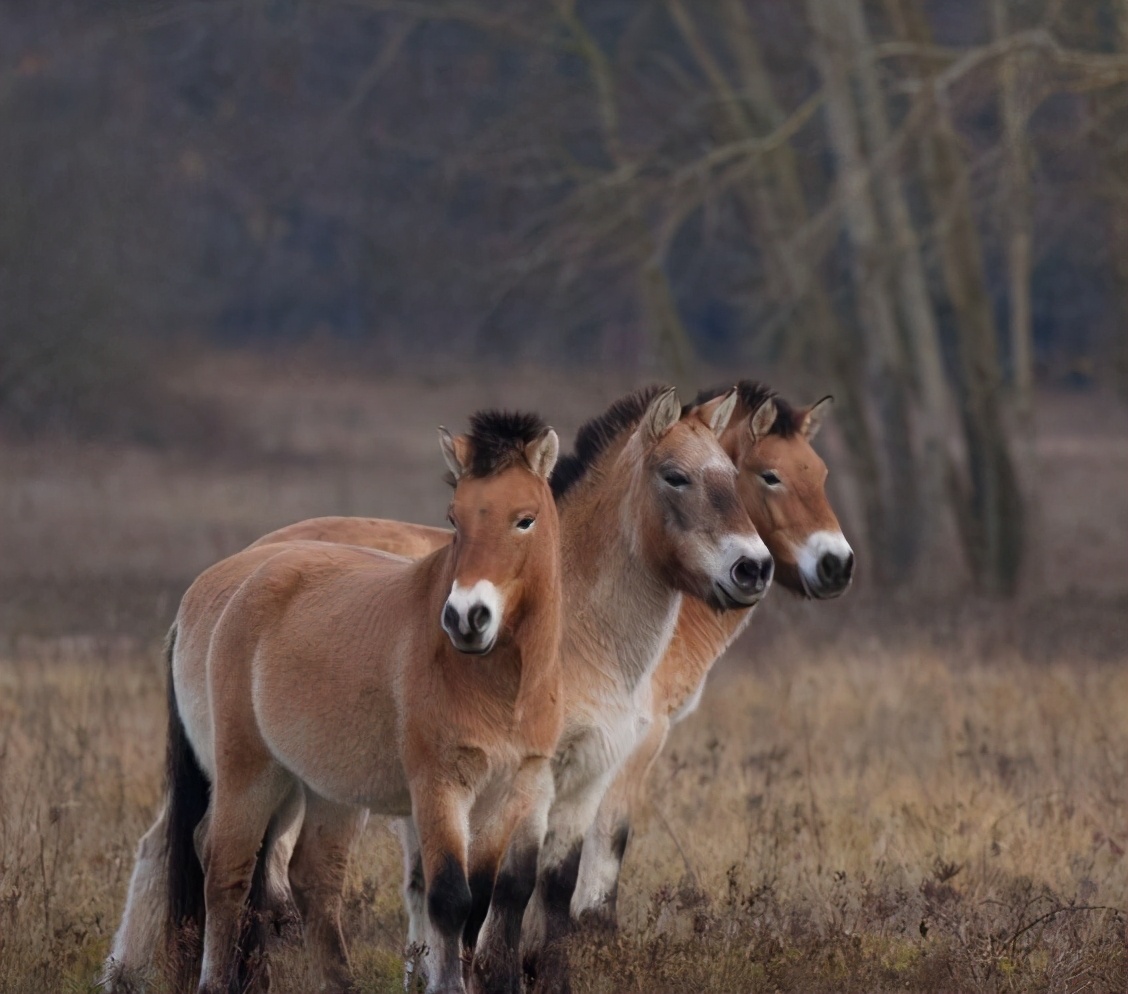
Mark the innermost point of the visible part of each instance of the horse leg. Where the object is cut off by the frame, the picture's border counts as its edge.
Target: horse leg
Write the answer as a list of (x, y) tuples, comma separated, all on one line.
[(548, 918), (278, 850), (317, 873), (595, 898), (239, 819), (441, 819), (496, 963), (138, 938), (414, 899)]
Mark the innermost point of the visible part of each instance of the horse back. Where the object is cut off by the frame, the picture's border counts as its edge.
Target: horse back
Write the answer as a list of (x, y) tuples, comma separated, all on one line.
[(294, 649), (398, 537)]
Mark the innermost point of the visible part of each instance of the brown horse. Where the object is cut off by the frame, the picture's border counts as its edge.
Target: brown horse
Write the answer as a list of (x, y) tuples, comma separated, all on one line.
[(782, 485), (343, 678), (648, 508)]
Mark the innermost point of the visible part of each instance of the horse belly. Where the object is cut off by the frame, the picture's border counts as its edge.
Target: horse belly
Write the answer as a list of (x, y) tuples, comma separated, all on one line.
[(344, 743)]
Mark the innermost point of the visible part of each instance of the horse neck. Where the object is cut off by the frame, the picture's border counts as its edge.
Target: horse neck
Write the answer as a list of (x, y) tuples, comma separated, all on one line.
[(620, 614), (700, 639)]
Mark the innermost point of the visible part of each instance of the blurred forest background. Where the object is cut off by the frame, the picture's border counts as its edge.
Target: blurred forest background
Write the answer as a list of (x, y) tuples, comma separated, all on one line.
[(921, 206)]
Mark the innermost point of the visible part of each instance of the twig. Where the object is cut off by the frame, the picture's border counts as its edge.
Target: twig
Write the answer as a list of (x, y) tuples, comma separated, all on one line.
[(1056, 911), (690, 871)]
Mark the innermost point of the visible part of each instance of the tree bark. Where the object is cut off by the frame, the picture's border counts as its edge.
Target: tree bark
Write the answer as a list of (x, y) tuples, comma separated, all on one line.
[(910, 287), (672, 345), (991, 501), (834, 54), (1016, 207)]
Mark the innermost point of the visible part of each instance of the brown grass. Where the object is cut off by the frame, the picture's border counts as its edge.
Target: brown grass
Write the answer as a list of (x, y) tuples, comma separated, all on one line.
[(859, 819), (919, 795)]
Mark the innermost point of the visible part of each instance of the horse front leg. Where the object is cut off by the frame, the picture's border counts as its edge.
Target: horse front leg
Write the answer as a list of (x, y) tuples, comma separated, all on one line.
[(595, 899), (441, 815), (548, 919), (496, 963)]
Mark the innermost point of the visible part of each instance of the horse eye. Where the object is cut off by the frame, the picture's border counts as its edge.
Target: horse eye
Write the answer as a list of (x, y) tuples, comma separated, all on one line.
[(676, 479), (770, 478), (526, 523)]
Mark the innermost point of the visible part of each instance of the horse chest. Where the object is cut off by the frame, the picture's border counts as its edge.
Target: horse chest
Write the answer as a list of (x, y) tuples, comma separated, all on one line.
[(595, 749)]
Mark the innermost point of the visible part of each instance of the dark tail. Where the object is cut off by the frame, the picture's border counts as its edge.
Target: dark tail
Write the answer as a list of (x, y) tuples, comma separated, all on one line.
[(187, 792), (188, 796)]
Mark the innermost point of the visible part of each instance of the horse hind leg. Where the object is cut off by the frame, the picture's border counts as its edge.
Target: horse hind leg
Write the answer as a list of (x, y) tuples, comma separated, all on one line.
[(278, 849), (415, 901), (317, 874), (138, 940), (237, 827)]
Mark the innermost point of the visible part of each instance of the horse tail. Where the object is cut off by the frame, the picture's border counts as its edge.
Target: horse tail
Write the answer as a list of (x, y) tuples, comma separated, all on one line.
[(187, 791)]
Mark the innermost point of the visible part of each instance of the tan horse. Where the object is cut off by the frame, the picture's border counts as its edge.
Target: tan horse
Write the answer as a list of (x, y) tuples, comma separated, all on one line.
[(344, 678), (648, 509), (782, 485)]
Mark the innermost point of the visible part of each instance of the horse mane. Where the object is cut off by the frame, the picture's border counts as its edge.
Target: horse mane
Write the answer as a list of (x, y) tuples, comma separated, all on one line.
[(596, 436), (498, 439), (753, 393)]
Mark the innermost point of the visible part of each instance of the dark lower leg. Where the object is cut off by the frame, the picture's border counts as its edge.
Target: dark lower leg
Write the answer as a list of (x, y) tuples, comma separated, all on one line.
[(555, 885), (497, 968), (448, 908)]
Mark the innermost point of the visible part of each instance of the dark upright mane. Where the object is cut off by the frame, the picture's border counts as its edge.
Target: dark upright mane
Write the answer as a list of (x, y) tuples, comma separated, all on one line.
[(596, 436), (498, 439), (752, 394)]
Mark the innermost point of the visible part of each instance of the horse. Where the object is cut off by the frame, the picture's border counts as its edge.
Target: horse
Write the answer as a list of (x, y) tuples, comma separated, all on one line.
[(648, 511), (782, 484), (311, 681)]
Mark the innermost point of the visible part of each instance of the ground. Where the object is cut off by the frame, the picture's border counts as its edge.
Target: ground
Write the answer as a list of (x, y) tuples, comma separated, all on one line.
[(912, 791)]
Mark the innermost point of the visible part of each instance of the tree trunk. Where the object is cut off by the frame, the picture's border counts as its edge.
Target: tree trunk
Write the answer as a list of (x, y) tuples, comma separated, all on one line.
[(834, 54), (672, 345), (1119, 222), (992, 506), (1016, 207), (910, 286)]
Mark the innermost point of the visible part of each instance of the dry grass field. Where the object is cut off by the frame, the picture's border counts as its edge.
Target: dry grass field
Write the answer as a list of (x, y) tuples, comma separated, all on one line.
[(916, 793)]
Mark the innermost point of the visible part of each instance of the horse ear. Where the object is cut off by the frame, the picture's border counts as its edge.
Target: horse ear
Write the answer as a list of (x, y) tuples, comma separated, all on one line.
[(812, 419), (542, 452), (664, 411), (762, 420), (456, 452), (716, 413)]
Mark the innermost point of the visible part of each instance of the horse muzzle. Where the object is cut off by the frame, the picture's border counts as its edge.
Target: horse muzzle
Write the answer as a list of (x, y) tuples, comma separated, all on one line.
[(472, 617), (826, 565)]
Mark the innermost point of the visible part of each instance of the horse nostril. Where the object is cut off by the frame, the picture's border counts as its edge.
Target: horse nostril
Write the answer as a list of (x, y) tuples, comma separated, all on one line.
[(752, 575), (834, 571), (479, 618), (450, 619), (745, 572), (828, 568), (767, 571)]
